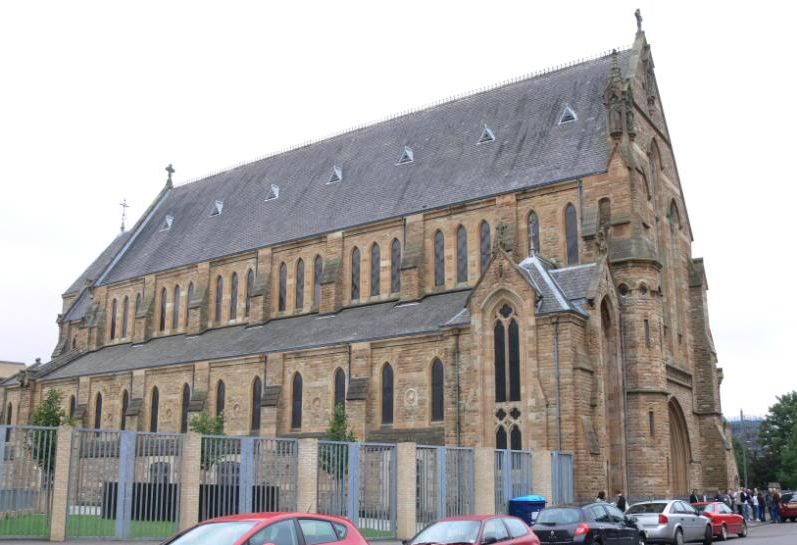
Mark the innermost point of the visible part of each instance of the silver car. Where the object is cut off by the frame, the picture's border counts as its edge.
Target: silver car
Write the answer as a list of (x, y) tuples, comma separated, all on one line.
[(670, 521)]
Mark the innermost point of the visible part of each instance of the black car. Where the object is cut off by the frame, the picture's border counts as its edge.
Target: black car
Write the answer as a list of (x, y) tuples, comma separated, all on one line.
[(587, 524)]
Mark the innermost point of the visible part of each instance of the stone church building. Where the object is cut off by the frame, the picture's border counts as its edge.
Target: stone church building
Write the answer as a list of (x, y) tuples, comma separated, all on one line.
[(512, 268)]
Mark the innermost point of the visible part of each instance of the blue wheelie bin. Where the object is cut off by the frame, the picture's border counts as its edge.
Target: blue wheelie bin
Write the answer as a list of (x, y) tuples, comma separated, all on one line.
[(527, 507)]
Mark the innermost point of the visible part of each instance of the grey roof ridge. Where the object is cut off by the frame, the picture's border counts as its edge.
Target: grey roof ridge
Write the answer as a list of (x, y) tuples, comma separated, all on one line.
[(140, 224), (557, 290), (409, 111)]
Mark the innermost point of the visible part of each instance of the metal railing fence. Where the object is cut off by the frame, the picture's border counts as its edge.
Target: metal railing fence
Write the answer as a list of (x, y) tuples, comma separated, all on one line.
[(512, 476), (562, 478), (27, 463), (444, 483)]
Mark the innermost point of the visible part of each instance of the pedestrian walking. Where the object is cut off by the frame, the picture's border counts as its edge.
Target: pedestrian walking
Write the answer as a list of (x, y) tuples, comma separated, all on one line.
[(693, 497), (754, 502), (621, 503), (768, 501), (762, 512), (601, 496), (775, 507)]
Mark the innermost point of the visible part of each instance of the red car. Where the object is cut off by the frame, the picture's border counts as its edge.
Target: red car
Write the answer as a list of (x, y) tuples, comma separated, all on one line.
[(788, 506), (482, 529), (723, 520), (273, 528)]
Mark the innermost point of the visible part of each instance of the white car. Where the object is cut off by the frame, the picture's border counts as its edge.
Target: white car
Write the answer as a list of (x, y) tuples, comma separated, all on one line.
[(670, 521)]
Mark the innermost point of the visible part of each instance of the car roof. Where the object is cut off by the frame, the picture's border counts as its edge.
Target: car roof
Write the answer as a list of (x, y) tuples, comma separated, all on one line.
[(474, 517), (266, 517)]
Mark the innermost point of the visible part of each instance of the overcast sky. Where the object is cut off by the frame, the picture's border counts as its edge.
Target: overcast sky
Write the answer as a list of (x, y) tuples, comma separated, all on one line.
[(97, 98)]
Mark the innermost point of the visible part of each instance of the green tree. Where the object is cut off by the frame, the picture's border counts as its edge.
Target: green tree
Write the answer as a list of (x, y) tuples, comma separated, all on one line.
[(333, 459), (339, 428), (775, 434), (41, 442), (787, 474), (205, 424)]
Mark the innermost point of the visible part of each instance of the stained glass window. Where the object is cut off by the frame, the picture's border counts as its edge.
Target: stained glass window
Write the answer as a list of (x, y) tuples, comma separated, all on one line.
[(283, 287), (176, 308), (355, 274), (438, 394), (219, 295), (257, 398), (233, 297), (318, 269), (395, 266), (485, 246), (154, 410), (375, 266), (296, 402), (387, 394), (340, 387), (462, 255), (439, 259), (184, 408), (300, 285), (571, 234)]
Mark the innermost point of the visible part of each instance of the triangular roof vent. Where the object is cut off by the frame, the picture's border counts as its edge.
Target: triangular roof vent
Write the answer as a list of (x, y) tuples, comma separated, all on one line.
[(167, 223), (218, 206), (337, 175), (273, 193), (568, 115), (406, 156), (487, 135)]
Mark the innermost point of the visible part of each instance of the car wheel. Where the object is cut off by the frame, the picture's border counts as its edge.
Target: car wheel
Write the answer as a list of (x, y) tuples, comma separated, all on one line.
[(642, 539), (679, 537), (708, 536), (723, 533), (743, 533)]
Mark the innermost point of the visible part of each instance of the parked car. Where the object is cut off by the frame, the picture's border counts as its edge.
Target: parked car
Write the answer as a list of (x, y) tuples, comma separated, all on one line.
[(788, 506), (475, 529), (723, 520), (597, 522), (275, 528), (671, 521)]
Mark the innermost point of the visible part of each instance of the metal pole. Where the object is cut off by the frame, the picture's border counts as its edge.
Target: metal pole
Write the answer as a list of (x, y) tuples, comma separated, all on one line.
[(744, 445)]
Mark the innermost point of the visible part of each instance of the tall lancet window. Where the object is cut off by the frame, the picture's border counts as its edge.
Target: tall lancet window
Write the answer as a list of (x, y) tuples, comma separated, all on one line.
[(534, 232), (300, 285), (113, 319), (340, 387), (283, 288), (176, 308), (188, 296), (438, 394), (154, 410), (125, 312), (296, 402), (506, 353), (571, 234), (318, 269), (439, 259), (162, 319), (387, 394), (250, 285), (462, 255), (219, 297), (233, 297), (395, 266), (184, 408), (257, 397), (376, 260), (355, 274), (485, 246)]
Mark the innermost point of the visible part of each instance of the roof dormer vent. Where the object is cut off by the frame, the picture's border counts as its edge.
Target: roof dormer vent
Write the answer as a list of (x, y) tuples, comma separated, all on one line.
[(568, 115), (487, 135), (336, 176), (406, 156), (218, 206), (273, 193), (167, 223)]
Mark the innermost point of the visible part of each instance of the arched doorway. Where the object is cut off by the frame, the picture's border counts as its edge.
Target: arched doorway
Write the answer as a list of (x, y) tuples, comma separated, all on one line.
[(679, 450), (614, 406)]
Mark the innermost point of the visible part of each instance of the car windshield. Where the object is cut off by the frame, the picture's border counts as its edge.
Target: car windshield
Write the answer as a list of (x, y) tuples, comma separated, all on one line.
[(786, 498), (215, 533), (552, 517), (449, 531), (700, 508), (642, 508)]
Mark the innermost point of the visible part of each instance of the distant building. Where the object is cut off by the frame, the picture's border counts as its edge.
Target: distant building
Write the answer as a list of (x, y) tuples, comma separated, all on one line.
[(9, 368)]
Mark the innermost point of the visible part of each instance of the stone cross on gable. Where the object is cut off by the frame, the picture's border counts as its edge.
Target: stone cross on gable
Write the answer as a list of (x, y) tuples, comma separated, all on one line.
[(124, 206), (170, 170), (638, 15)]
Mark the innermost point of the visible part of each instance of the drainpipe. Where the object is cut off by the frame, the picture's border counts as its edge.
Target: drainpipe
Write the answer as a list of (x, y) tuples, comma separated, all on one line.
[(625, 406), (456, 367), (558, 385), (348, 377)]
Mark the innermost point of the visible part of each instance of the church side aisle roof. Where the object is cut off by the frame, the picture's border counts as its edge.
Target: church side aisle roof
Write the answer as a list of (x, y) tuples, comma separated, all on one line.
[(448, 166), (369, 322)]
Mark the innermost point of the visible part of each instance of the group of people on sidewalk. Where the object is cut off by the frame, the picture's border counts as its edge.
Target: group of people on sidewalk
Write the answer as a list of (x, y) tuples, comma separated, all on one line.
[(751, 504)]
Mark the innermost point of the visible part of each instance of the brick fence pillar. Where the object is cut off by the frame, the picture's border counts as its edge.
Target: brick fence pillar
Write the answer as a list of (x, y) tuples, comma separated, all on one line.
[(405, 490), (307, 485), (484, 480), (190, 476), (63, 452), (542, 473)]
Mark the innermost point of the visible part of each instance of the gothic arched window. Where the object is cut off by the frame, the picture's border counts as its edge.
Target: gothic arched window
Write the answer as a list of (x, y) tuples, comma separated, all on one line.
[(387, 394), (438, 395), (219, 296), (184, 408), (188, 297), (138, 302), (485, 246), (72, 406), (515, 442), (439, 259), (162, 320), (176, 308), (462, 255), (299, 285), (98, 411), (500, 438), (233, 297), (318, 269), (375, 265), (534, 232), (220, 397), (9, 415), (395, 266), (125, 311), (604, 213), (296, 402), (113, 319), (283, 288), (506, 345), (257, 398), (340, 387), (125, 405), (355, 274), (250, 285), (154, 409), (571, 234)]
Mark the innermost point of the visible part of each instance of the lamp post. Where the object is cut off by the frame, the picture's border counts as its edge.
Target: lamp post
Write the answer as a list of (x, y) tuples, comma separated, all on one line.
[(744, 442)]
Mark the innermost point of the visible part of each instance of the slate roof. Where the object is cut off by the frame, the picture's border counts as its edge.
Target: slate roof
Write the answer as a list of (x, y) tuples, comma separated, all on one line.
[(94, 270), (449, 167), (369, 322), (562, 290)]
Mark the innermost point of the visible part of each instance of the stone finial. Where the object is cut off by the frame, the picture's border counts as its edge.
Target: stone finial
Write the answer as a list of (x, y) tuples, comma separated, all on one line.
[(638, 15), (170, 170), (124, 206)]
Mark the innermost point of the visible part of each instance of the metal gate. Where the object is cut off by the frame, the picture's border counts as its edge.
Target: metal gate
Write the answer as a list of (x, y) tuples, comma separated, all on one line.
[(27, 463), (358, 480), (124, 484), (247, 474), (444, 483), (512, 476), (562, 477)]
